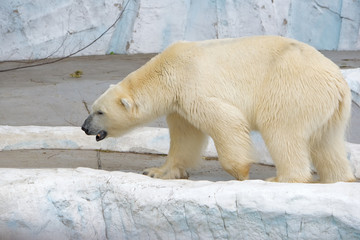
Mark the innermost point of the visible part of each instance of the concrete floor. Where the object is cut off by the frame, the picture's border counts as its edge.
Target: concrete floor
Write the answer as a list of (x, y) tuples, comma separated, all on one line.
[(127, 162), (48, 96), (56, 98)]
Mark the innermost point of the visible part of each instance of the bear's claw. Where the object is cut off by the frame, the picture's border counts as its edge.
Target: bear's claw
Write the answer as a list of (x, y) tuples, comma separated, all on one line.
[(147, 174)]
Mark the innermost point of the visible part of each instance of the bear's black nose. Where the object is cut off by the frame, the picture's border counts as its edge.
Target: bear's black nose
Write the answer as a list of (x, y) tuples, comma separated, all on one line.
[(85, 129)]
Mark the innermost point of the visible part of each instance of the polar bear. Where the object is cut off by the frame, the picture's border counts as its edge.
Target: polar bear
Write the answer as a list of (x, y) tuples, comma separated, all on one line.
[(288, 91)]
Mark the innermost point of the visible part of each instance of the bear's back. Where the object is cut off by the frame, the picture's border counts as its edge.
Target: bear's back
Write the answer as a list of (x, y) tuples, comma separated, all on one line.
[(243, 71)]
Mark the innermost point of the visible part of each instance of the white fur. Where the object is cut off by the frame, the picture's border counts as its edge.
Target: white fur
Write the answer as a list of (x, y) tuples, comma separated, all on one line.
[(286, 89)]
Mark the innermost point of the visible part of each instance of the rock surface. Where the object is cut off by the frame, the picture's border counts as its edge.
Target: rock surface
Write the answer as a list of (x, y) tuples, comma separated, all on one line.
[(94, 204), (32, 29), (352, 77)]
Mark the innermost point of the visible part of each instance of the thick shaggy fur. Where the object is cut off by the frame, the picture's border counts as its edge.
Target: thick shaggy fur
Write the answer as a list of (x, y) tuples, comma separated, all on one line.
[(287, 90)]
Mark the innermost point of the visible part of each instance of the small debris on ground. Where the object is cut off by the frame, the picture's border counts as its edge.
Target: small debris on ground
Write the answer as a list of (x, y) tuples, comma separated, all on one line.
[(76, 74)]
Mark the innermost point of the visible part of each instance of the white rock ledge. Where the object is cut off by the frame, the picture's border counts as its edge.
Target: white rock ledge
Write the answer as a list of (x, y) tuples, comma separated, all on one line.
[(142, 140), (352, 77), (94, 204)]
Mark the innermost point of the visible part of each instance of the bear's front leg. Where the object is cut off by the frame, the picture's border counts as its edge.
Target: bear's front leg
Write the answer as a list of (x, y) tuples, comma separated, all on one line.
[(229, 129), (186, 145)]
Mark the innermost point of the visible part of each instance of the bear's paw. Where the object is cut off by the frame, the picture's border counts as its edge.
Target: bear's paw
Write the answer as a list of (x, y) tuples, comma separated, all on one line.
[(166, 173)]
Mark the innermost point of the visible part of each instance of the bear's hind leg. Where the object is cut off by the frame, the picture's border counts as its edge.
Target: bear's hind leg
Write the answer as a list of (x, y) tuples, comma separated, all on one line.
[(290, 153), (329, 157), (186, 145)]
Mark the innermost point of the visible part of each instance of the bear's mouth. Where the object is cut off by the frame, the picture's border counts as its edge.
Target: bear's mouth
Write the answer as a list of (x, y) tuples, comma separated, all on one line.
[(101, 135)]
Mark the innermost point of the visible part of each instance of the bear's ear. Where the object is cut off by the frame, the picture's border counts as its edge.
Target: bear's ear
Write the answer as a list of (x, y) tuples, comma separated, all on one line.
[(126, 103)]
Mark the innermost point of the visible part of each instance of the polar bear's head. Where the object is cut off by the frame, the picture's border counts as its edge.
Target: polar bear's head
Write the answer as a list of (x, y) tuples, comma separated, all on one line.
[(112, 114)]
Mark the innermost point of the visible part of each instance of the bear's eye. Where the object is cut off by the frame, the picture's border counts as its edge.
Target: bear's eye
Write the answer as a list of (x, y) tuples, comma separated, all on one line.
[(99, 113)]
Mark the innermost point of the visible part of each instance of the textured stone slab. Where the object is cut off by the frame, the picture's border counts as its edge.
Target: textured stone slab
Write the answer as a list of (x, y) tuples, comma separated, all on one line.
[(95, 204)]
